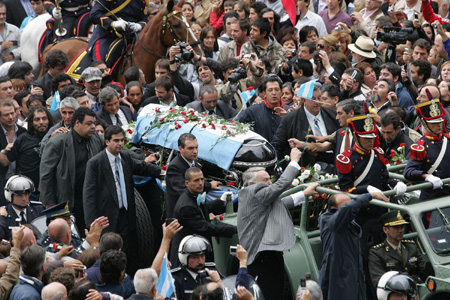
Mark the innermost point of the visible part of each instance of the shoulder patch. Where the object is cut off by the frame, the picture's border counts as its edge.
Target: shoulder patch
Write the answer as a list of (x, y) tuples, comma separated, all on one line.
[(447, 135), (379, 150), (417, 152), (408, 241), (378, 246), (175, 270), (210, 264), (343, 164)]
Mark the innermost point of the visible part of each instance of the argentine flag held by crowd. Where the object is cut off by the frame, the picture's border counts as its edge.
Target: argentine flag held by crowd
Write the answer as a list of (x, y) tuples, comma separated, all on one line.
[(306, 90), (165, 284)]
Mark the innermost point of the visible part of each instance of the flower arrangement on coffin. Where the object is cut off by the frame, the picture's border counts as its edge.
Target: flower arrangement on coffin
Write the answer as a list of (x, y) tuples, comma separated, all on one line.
[(311, 174), (176, 117), (398, 157), (129, 133)]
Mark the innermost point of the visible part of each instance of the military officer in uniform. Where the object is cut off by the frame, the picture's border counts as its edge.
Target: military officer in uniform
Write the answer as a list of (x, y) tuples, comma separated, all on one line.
[(429, 158), (20, 209), (60, 210), (395, 253), (74, 15), (194, 271), (362, 168), (115, 20)]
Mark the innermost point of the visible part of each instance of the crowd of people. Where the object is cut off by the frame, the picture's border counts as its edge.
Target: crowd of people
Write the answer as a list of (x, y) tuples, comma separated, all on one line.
[(349, 86)]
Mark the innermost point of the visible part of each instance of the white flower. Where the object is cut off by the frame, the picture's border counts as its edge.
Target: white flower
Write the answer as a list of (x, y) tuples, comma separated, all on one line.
[(317, 168), (295, 182), (399, 149), (316, 176), (171, 127), (328, 176), (286, 157), (321, 177), (306, 173)]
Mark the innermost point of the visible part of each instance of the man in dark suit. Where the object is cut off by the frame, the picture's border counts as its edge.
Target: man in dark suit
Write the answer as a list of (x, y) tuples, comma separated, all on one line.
[(188, 146), (56, 61), (15, 12), (264, 224), (109, 191), (9, 132), (17, 192), (180, 85), (111, 112), (311, 118), (165, 94), (342, 248), (193, 214), (211, 105)]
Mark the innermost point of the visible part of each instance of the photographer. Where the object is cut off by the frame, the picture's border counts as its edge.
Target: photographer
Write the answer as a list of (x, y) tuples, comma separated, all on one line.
[(351, 84)]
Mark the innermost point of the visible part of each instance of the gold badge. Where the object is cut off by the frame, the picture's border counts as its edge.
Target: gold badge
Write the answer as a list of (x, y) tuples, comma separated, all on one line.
[(368, 124), (434, 109), (399, 215)]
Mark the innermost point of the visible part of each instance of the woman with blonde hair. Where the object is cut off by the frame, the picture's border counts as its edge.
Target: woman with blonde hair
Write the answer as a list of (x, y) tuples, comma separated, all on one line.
[(328, 43)]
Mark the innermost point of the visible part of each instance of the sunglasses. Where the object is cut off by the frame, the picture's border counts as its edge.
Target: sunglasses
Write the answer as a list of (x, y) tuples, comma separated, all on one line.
[(320, 46)]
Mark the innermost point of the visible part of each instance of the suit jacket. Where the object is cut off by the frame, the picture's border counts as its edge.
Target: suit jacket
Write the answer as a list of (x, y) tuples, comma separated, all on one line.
[(195, 220), (31, 212), (342, 260), (176, 184), (182, 100), (104, 115), (45, 82), (99, 191), (181, 86), (222, 109), (296, 125), (3, 169), (57, 169), (15, 13), (264, 222)]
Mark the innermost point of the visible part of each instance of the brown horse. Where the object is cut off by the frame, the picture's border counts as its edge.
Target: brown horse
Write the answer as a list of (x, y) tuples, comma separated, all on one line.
[(165, 29)]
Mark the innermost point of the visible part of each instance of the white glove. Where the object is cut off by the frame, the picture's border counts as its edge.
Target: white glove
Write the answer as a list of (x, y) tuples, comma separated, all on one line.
[(121, 24), (57, 14), (436, 181), (225, 195), (372, 189), (135, 27), (400, 188)]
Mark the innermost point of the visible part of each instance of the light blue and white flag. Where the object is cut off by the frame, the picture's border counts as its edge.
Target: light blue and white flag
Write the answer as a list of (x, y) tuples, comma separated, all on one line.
[(55, 103), (306, 90), (165, 284)]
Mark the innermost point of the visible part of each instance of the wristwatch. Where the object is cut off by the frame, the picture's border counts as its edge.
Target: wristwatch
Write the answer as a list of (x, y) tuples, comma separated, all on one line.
[(3, 151)]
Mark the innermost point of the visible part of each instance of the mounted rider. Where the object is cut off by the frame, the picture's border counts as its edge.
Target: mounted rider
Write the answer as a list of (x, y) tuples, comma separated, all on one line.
[(116, 21), (74, 16)]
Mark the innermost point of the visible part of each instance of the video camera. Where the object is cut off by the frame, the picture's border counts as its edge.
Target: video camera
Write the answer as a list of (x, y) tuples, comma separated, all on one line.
[(238, 74), (185, 54), (399, 36)]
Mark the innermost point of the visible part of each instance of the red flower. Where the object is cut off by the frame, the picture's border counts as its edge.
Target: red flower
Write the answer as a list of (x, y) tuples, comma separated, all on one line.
[(157, 110), (204, 125), (231, 121), (397, 162), (220, 217), (228, 132), (183, 113), (192, 112), (164, 167), (316, 197), (162, 119), (172, 110), (204, 114), (386, 161), (324, 196), (392, 153), (402, 145), (185, 120), (224, 127), (231, 183), (179, 125), (302, 168), (129, 131), (175, 123), (147, 153), (213, 126)]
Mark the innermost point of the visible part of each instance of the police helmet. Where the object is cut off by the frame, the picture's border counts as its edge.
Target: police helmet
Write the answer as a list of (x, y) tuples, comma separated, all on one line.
[(394, 282), (18, 185), (192, 245)]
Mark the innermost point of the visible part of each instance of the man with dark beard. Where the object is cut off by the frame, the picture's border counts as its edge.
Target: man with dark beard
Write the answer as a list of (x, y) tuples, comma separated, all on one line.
[(383, 94), (25, 150)]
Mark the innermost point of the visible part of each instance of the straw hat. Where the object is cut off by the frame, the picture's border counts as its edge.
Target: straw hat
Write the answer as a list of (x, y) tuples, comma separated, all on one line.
[(363, 46)]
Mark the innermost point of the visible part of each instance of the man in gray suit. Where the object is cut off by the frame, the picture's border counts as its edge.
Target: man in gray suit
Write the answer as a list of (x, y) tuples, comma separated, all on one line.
[(264, 224), (63, 163), (210, 104)]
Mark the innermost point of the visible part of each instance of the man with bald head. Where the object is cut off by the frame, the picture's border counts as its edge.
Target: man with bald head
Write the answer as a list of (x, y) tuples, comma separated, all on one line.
[(59, 232), (54, 291), (340, 236), (28, 239)]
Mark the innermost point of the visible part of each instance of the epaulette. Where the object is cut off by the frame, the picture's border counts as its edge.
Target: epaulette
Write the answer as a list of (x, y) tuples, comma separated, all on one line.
[(408, 241), (379, 150), (417, 152), (343, 164), (378, 246), (175, 270), (342, 132), (210, 264), (381, 155)]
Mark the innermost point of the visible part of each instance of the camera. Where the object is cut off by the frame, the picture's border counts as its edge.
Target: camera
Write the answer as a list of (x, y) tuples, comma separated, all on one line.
[(293, 51), (416, 17), (233, 250), (238, 74), (185, 54), (202, 274), (436, 26), (399, 36), (338, 28), (390, 10), (318, 61)]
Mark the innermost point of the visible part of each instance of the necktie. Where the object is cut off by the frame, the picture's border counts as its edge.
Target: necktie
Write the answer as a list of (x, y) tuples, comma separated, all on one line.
[(316, 127), (211, 112), (121, 182), (118, 120), (399, 250), (22, 218)]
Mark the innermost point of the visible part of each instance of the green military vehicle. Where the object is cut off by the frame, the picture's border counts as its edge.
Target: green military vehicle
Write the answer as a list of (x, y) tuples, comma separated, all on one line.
[(429, 227)]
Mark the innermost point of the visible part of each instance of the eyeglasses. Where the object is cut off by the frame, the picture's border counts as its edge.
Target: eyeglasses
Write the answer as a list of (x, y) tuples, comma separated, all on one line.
[(196, 30), (104, 70), (320, 46)]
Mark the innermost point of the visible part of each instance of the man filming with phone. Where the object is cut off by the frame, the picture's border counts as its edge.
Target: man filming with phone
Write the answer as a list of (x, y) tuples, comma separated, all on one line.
[(351, 84)]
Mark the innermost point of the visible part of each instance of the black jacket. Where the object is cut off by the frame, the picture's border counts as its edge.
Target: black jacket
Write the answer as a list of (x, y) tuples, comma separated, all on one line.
[(104, 115), (265, 120), (222, 109), (181, 86), (182, 100), (32, 211)]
